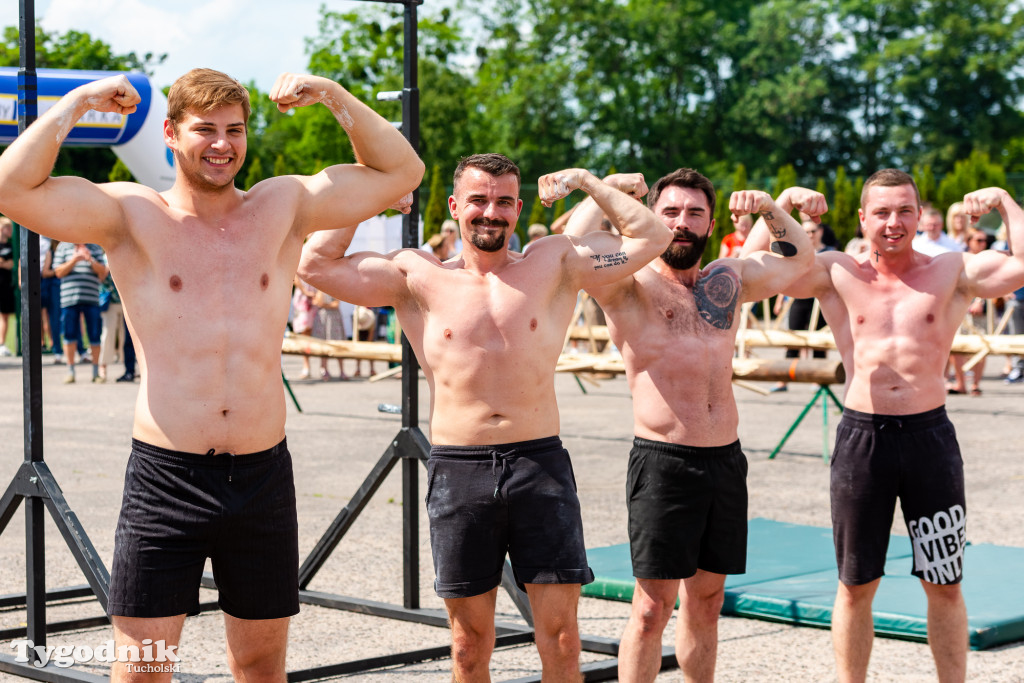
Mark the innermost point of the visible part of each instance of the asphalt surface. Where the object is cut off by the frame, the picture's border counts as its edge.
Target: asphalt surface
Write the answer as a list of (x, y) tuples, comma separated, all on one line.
[(341, 434)]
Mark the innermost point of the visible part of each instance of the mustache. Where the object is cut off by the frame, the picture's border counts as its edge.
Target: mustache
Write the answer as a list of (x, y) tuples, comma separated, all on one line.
[(687, 235), (489, 223)]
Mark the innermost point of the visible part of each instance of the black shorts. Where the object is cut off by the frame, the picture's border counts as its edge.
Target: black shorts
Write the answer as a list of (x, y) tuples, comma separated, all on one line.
[(181, 508), (879, 458), (687, 509), (518, 498)]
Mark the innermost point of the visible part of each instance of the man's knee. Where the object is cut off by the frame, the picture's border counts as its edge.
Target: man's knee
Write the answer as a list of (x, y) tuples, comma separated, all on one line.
[(651, 611), (943, 595)]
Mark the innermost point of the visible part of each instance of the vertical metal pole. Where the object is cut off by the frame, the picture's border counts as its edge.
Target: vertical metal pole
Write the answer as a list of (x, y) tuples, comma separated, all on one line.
[(31, 342), (410, 367)]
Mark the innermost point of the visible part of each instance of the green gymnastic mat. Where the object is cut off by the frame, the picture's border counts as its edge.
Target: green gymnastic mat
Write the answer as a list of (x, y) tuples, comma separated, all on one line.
[(792, 578)]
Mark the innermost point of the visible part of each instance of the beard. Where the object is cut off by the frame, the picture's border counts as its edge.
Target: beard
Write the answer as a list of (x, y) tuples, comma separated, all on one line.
[(684, 258), (487, 242)]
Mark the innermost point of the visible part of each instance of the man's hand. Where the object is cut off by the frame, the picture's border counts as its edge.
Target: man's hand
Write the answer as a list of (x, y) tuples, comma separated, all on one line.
[(115, 94), (980, 202), (299, 90), (808, 202), (403, 205), (632, 184), (555, 186), (749, 201)]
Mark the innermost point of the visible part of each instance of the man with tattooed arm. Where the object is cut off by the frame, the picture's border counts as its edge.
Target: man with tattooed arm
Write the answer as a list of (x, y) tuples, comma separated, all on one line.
[(675, 325), (488, 327), (893, 312)]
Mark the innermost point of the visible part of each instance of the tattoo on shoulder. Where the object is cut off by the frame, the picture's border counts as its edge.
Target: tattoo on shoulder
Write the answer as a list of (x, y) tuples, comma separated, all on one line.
[(609, 260), (716, 295)]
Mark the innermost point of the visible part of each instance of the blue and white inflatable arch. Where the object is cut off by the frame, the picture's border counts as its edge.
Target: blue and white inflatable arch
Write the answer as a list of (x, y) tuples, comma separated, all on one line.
[(137, 139)]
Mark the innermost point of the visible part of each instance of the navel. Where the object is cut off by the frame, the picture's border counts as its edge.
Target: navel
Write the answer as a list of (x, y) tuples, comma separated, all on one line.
[(224, 412), (175, 283), (533, 324), (448, 334), (264, 281)]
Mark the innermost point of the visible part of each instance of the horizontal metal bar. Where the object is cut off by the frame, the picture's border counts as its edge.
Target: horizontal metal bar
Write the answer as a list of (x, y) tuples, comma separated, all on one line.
[(432, 617), (18, 599), (49, 673)]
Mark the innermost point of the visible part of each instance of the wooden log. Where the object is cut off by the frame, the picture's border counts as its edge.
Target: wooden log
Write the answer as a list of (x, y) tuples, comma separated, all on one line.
[(311, 346), (811, 370)]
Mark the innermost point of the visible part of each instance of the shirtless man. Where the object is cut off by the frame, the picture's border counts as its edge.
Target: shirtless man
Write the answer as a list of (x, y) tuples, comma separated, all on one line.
[(488, 328), (686, 488), (205, 273), (894, 312)]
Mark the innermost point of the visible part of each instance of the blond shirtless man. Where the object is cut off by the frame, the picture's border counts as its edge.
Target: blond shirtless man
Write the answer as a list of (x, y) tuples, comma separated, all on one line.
[(488, 327), (676, 324), (205, 273), (894, 312)]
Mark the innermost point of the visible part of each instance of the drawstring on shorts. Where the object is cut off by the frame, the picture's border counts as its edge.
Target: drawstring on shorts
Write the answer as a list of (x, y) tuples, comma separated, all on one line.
[(498, 478), (230, 457)]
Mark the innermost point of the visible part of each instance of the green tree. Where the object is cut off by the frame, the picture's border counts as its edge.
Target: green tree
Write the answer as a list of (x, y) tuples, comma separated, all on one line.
[(974, 172), (925, 181), (538, 214), (437, 205), (845, 201), (254, 173), (120, 173), (362, 50)]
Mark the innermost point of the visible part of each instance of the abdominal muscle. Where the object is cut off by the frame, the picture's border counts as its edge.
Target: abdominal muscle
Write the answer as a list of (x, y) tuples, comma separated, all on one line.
[(220, 389)]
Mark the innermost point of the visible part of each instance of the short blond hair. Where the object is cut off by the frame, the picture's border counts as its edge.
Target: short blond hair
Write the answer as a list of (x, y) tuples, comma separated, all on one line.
[(201, 91)]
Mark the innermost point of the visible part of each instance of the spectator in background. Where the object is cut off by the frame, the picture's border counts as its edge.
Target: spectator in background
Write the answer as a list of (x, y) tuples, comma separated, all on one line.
[(81, 268), (7, 306), (801, 309), (303, 314), (449, 244), (957, 224), (129, 356), (328, 324), (49, 290), (931, 239), (733, 242), (534, 233), (977, 242), (112, 315)]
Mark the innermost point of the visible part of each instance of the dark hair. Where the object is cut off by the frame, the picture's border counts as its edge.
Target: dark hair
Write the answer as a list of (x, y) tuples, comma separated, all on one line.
[(683, 177), (889, 177), (491, 163)]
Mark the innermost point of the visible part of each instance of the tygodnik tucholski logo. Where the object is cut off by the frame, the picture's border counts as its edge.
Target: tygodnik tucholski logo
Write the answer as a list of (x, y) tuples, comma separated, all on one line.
[(152, 657)]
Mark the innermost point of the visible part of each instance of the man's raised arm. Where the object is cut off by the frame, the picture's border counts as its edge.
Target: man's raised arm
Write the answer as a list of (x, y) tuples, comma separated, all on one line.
[(364, 278), (387, 167), (601, 257), (990, 274), (791, 266), (67, 208)]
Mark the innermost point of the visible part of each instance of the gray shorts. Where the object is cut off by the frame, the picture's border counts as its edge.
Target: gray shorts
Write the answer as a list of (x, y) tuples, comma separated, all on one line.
[(519, 499)]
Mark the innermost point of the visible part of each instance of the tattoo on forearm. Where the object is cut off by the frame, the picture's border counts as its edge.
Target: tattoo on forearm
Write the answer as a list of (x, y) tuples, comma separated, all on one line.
[(778, 231), (783, 248), (716, 295), (609, 260)]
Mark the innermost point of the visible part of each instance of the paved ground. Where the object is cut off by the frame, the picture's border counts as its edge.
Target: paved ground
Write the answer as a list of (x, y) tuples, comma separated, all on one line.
[(341, 435)]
